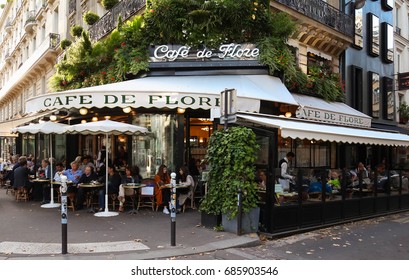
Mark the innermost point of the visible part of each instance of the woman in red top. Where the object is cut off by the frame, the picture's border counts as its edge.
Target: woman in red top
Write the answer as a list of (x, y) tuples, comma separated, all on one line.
[(162, 194)]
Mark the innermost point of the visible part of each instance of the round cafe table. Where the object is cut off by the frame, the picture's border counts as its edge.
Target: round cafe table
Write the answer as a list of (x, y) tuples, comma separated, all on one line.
[(93, 187), (38, 185), (135, 188)]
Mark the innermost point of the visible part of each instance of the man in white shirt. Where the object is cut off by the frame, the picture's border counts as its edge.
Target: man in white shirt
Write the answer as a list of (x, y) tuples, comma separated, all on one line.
[(285, 178)]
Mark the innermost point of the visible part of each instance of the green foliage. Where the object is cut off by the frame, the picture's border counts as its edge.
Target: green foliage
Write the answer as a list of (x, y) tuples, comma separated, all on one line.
[(403, 111), (90, 18), (109, 4), (196, 23), (231, 155), (65, 44), (76, 31)]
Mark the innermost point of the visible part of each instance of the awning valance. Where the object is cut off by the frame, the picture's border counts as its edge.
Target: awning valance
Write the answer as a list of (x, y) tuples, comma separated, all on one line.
[(313, 108), (196, 92), (293, 128), (6, 127)]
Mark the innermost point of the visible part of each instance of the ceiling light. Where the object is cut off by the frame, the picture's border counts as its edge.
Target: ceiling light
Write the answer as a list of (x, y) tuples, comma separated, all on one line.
[(83, 111), (127, 110), (83, 121), (53, 118), (94, 119), (107, 117), (181, 110), (288, 114)]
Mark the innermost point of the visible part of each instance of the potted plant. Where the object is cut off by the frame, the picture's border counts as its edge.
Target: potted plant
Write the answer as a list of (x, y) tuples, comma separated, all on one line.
[(403, 113), (90, 18), (231, 156)]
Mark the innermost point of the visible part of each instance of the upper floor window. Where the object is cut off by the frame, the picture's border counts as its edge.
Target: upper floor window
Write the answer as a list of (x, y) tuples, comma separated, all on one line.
[(374, 91), (387, 42), (359, 35), (373, 35), (387, 5)]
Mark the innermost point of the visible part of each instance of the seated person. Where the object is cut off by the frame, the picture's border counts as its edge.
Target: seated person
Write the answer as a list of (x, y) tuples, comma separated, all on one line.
[(59, 171), (114, 180), (162, 194), (73, 174), (382, 180), (183, 194), (21, 177), (261, 179), (132, 176), (86, 178), (45, 173), (334, 181), (360, 169)]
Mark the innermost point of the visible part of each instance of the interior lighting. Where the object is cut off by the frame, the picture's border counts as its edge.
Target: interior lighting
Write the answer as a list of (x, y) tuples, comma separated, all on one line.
[(94, 119), (84, 121), (53, 118), (107, 117), (127, 110), (288, 114), (83, 111), (181, 110)]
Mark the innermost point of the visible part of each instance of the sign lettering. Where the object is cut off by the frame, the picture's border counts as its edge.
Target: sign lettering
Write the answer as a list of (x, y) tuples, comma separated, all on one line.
[(332, 117)]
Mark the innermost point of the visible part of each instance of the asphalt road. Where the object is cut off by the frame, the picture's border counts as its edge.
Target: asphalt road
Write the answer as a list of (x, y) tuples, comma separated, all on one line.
[(384, 238)]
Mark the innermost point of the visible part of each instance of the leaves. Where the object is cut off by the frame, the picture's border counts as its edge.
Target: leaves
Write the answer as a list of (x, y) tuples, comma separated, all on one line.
[(231, 155)]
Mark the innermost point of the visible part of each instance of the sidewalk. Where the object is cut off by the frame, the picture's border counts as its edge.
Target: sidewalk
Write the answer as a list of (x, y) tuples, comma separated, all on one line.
[(30, 232)]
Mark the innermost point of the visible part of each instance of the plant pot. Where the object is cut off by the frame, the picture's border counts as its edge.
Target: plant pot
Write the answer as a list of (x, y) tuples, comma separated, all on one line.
[(249, 222), (210, 220)]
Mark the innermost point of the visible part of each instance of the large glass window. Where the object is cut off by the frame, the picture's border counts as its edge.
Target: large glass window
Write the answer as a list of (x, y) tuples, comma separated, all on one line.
[(359, 35), (387, 42), (389, 109), (373, 34), (157, 147), (374, 91)]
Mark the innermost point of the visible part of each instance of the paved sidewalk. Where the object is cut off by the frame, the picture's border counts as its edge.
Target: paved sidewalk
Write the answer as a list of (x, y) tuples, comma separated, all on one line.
[(28, 231)]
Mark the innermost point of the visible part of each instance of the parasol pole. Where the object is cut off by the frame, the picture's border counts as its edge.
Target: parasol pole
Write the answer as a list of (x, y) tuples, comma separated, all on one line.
[(51, 204)]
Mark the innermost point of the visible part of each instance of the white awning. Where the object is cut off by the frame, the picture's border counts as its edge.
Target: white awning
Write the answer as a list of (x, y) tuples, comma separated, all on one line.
[(313, 131), (6, 127), (196, 92), (313, 108)]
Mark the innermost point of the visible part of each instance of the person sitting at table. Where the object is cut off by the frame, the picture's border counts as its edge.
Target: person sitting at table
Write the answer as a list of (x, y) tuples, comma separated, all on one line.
[(183, 194), (45, 173), (132, 176), (59, 169), (86, 178), (114, 180), (360, 169), (261, 179), (334, 181), (162, 193), (383, 183), (22, 182)]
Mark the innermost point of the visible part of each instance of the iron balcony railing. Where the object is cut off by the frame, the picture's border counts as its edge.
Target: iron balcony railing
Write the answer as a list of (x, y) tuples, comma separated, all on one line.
[(72, 6), (324, 13), (109, 21)]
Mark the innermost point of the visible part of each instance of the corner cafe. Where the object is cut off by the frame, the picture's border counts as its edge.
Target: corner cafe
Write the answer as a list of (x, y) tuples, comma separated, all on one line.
[(179, 102)]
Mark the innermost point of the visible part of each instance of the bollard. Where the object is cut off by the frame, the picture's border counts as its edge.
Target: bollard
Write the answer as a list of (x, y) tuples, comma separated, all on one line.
[(173, 210), (64, 216), (239, 214)]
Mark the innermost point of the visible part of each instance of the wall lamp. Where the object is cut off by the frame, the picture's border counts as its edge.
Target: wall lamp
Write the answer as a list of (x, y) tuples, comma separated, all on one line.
[(127, 110), (357, 4)]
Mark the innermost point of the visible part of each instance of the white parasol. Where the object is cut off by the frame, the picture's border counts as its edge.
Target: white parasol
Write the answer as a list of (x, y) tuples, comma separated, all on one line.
[(45, 128), (106, 127)]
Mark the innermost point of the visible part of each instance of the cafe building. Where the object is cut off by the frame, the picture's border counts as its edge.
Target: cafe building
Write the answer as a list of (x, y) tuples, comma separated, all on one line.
[(178, 100)]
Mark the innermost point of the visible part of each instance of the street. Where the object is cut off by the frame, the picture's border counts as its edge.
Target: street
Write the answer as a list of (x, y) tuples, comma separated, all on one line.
[(383, 238)]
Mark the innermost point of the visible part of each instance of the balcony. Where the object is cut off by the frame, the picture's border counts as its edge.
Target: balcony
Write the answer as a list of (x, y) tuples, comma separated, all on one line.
[(108, 22), (321, 25), (7, 57), (398, 31), (31, 22)]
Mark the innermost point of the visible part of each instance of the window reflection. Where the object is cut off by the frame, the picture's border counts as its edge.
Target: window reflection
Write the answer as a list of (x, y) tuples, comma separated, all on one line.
[(358, 40), (373, 34), (374, 77), (388, 98), (387, 42), (157, 147)]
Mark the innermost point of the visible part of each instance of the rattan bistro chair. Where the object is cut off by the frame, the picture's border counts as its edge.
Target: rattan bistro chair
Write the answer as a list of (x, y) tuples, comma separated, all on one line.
[(146, 197)]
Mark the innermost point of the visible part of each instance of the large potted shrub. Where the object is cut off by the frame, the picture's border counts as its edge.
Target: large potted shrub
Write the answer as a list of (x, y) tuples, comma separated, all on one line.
[(231, 155), (403, 113), (90, 18)]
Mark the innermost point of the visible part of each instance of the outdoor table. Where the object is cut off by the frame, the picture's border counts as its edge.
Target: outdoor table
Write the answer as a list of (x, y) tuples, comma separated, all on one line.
[(93, 187), (135, 188), (38, 185), (177, 186)]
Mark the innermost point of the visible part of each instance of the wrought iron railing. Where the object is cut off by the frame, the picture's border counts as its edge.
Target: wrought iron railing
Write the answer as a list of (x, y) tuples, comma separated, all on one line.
[(72, 6), (324, 13), (31, 17), (54, 40), (109, 21)]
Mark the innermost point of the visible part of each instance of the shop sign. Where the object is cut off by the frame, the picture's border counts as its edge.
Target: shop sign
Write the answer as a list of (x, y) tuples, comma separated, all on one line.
[(232, 51), (403, 81), (332, 117), (99, 100)]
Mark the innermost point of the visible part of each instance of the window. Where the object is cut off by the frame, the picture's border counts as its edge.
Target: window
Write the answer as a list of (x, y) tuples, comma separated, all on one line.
[(387, 42), (373, 35), (357, 87), (374, 89), (387, 5), (388, 98), (358, 39), (316, 61)]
